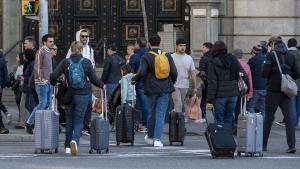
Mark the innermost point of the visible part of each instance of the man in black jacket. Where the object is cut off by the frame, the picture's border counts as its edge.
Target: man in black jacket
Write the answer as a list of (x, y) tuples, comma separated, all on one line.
[(275, 97), (157, 91), (112, 70), (3, 78)]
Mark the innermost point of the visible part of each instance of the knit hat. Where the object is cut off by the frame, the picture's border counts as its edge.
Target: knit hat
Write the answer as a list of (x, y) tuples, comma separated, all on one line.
[(238, 53), (256, 49)]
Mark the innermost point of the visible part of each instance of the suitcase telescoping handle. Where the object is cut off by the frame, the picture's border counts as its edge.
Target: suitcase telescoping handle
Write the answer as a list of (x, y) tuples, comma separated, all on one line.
[(212, 113), (54, 98), (103, 101), (243, 106)]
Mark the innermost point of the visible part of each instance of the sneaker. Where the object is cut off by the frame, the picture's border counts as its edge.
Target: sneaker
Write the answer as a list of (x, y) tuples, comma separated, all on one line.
[(158, 143), (29, 128), (4, 131), (8, 118), (68, 150), (291, 150), (85, 133), (148, 141), (73, 146)]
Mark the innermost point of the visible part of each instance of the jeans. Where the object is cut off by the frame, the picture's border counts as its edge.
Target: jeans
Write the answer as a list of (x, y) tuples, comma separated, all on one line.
[(74, 118), (110, 89), (158, 105), (273, 101), (296, 107), (203, 101), (259, 97), (178, 97), (224, 109), (44, 93), (88, 114), (143, 104)]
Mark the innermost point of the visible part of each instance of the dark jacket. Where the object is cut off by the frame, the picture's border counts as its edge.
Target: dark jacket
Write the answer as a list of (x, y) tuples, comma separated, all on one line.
[(152, 85), (89, 72), (3, 71), (112, 69), (271, 71), (28, 71), (135, 64), (222, 78), (256, 63), (296, 53), (205, 59)]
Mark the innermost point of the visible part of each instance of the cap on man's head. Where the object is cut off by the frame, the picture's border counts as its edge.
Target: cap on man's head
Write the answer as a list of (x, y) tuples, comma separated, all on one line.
[(256, 49), (237, 53), (274, 38)]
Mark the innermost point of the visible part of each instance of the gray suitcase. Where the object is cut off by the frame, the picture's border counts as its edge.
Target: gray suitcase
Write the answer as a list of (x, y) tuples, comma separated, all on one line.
[(99, 138), (249, 133), (47, 129)]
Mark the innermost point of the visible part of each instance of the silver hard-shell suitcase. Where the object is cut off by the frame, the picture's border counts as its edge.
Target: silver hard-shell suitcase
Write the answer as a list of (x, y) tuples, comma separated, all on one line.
[(249, 132), (47, 129), (99, 138)]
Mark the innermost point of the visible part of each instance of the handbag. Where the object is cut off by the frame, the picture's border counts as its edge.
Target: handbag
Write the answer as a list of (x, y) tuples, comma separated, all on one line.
[(193, 109), (288, 84), (242, 86)]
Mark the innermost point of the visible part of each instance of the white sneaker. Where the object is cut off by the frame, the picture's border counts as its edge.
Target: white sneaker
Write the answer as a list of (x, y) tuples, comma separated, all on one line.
[(148, 141), (73, 146), (158, 143), (68, 150)]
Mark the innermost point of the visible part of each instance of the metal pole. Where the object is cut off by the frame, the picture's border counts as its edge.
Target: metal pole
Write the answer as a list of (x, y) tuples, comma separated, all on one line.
[(145, 18), (43, 25)]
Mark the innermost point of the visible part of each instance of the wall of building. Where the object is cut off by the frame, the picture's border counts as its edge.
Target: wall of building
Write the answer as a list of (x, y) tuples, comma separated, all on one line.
[(1, 28)]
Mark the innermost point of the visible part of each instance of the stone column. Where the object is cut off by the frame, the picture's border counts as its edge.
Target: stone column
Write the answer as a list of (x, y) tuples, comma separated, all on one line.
[(204, 23), (12, 32), (1, 26)]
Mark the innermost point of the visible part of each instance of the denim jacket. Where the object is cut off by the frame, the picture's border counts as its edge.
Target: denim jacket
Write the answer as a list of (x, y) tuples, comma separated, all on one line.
[(127, 90)]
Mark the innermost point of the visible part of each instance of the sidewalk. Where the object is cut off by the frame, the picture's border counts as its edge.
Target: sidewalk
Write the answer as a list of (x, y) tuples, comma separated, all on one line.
[(20, 135)]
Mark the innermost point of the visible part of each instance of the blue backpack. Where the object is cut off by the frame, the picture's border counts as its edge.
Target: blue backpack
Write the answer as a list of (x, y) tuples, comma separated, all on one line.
[(76, 74)]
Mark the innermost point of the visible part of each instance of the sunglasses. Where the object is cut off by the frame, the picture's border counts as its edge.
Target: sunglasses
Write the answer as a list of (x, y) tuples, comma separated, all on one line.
[(86, 36)]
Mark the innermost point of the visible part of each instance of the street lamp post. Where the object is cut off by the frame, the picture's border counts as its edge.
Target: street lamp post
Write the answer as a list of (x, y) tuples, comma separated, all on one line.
[(43, 14)]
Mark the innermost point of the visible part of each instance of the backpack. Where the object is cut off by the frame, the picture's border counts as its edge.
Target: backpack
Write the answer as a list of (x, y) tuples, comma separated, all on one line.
[(161, 65), (76, 74)]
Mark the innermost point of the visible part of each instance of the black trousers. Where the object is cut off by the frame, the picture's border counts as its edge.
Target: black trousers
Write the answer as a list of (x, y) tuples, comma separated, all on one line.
[(273, 101)]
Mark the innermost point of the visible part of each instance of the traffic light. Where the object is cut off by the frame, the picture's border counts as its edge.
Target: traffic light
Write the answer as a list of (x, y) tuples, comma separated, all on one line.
[(30, 7)]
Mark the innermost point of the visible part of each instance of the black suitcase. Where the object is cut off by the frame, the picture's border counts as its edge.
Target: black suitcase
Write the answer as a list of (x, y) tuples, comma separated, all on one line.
[(220, 140), (124, 124), (176, 128), (99, 138)]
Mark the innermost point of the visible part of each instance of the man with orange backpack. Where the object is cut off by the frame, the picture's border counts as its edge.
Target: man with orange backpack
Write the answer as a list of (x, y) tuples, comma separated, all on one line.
[(160, 74)]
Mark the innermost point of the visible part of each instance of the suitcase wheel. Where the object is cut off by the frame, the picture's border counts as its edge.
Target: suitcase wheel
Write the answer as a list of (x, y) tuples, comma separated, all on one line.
[(56, 150), (36, 151), (107, 150), (42, 151), (118, 144), (239, 154), (232, 156), (98, 151), (181, 144), (91, 151), (132, 144), (171, 144), (213, 156), (50, 152)]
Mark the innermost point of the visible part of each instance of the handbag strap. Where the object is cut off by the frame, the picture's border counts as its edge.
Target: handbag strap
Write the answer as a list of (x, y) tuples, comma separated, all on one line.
[(278, 64)]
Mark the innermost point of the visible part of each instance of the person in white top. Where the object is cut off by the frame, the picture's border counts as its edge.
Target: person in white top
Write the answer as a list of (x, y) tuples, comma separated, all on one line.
[(186, 69), (88, 52)]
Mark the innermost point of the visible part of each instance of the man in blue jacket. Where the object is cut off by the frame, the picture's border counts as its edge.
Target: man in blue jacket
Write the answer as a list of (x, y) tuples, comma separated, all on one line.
[(156, 90), (140, 50), (3, 78)]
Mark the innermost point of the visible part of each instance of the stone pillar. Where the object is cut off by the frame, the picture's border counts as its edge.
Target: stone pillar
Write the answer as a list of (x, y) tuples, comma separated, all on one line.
[(1, 28), (12, 32), (204, 23)]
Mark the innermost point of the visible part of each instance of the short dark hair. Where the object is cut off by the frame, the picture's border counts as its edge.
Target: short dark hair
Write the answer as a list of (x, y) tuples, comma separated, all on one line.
[(208, 45), (264, 45), (154, 40), (29, 54), (219, 47), (30, 39), (180, 41), (84, 30), (112, 47), (45, 37), (126, 69), (292, 42), (142, 42)]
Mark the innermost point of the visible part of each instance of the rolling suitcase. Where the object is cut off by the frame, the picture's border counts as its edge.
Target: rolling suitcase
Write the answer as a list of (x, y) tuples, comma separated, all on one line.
[(249, 133), (99, 137), (46, 135), (220, 139), (176, 128)]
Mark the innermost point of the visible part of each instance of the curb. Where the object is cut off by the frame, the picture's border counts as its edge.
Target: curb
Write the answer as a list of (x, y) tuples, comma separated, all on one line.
[(16, 138)]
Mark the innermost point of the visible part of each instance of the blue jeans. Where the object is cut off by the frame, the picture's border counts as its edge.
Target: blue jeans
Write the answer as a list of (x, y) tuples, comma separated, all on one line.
[(74, 118), (44, 93), (143, 104), (110, 89), (259, 97), (224, 110), (158, 105), (296, 107)]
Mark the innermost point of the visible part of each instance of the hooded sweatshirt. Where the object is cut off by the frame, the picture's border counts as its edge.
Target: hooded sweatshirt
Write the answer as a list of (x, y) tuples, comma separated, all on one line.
[(87, 52)]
